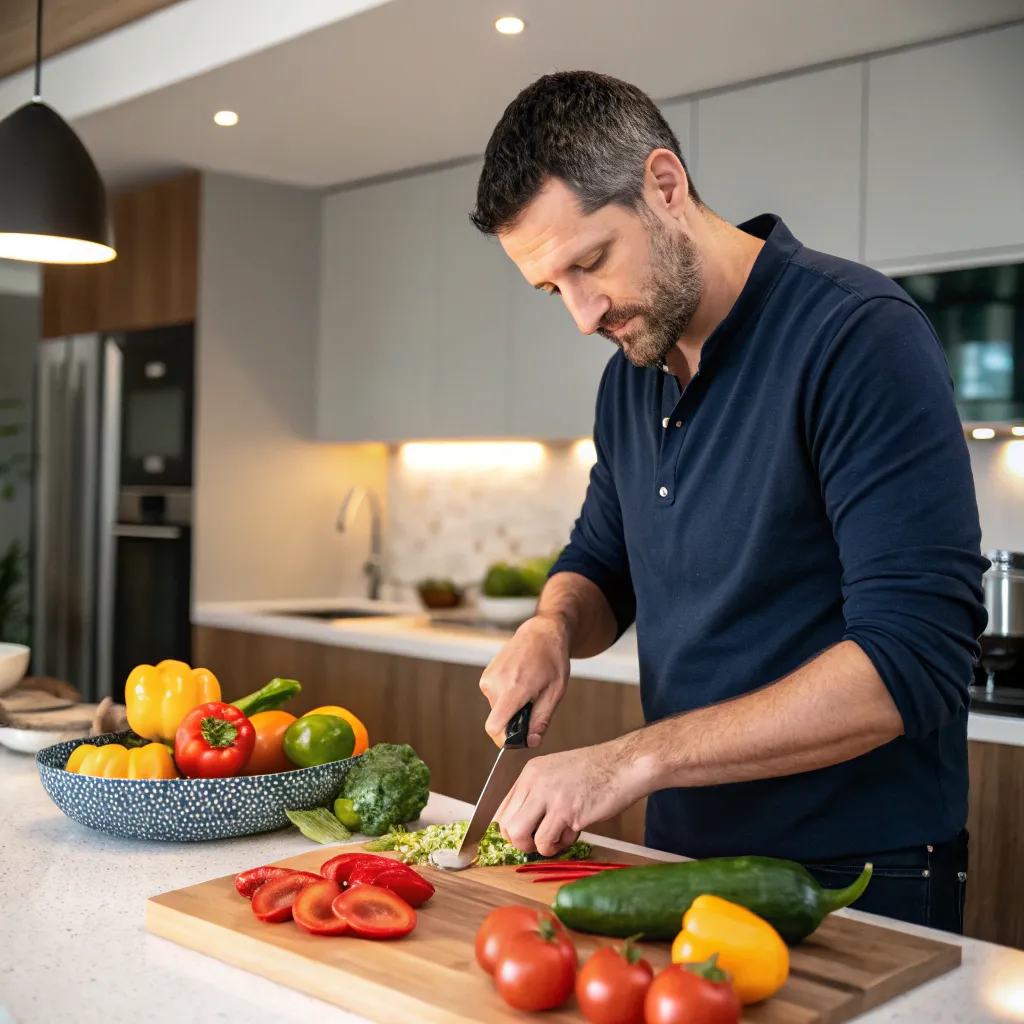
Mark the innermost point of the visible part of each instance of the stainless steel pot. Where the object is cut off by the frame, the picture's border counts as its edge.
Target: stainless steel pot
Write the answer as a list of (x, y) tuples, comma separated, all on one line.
[(1004, 594)]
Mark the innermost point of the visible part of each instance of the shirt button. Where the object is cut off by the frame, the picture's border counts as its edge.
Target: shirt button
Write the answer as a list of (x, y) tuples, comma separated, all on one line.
[(664, 423), (679, 423), (663, 492)]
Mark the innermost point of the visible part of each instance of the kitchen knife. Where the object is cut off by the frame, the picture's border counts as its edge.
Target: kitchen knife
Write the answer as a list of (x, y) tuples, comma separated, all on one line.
[(510, 762)]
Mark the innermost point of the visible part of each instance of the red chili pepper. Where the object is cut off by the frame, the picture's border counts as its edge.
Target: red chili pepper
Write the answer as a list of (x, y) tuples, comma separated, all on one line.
[(569, 865), (564, 876), (247, 882), (272, 901), (214, 741)]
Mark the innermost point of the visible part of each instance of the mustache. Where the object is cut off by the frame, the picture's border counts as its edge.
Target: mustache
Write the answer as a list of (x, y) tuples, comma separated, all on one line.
[(616, 317)]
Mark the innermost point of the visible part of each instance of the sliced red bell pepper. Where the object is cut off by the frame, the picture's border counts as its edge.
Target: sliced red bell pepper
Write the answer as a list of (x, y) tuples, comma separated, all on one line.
[(247, 882), (311, 909), (375, 913), (367, 872), (337, 869), (272, 901), (412, 887)]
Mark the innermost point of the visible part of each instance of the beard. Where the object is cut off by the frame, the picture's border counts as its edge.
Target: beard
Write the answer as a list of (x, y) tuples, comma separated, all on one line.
[(671, 293)]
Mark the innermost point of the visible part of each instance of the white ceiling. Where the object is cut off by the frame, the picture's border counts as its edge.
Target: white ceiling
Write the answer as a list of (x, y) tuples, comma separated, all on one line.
[(415, 82)]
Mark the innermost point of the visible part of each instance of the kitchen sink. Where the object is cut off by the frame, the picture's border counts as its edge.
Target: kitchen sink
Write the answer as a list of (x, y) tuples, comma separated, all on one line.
[(329, 614)]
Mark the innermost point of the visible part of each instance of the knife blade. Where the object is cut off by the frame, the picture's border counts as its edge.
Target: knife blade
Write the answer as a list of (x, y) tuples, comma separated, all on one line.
[(511, 760)]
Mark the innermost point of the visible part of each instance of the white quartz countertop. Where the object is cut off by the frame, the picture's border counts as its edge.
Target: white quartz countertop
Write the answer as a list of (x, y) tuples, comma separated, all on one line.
[(75, 948), (409, 631)]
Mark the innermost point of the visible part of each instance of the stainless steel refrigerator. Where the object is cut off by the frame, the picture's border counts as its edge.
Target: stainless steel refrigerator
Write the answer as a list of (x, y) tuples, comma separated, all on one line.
[(111, 506)]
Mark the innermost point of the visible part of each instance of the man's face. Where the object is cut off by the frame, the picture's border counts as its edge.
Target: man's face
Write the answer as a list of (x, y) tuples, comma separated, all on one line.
[(625, 275)]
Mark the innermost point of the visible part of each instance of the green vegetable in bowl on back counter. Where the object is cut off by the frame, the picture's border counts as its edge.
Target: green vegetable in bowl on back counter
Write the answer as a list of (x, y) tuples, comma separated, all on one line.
[(526, 579)]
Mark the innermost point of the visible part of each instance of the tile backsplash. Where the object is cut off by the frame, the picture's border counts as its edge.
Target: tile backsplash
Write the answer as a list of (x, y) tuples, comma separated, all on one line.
[(453, 517)]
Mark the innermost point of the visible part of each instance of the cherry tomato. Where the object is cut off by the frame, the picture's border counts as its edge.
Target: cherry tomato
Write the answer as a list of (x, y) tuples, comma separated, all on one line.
[(612, 985), (534, 972), (272, 901), (680, 995), (312, 909), (504, 922), (268, 754), (375, 913)]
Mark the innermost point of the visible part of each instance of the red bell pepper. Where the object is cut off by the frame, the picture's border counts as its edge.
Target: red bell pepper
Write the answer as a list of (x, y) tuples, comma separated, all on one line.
[(338, 869), (311, 909), (272, 901), (374, 913), (214, 741)]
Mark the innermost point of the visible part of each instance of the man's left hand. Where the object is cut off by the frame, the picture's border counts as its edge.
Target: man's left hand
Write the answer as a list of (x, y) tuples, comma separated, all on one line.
[(558, 795)]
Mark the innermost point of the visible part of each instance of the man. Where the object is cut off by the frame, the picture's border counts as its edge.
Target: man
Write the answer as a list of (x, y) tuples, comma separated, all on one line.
[(782, 502)]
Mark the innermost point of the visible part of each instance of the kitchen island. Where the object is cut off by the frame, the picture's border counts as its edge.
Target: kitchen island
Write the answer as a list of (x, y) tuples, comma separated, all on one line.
[(416, 681), (71, 927)]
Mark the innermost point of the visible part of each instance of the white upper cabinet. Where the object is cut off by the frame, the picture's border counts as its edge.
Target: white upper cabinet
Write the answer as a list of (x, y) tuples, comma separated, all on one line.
[(945, 161), (380, 282), (790, 147), (474, 319)]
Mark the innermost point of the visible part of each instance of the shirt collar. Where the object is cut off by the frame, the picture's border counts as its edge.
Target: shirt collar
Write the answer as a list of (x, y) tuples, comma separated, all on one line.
[(779, 246)]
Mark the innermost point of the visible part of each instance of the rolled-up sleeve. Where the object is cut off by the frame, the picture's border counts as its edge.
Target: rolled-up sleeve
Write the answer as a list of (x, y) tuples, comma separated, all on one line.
[(887, 442), (597, 545)]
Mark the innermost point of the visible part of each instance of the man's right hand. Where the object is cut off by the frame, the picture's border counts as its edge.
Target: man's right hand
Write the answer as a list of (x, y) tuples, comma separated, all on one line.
[(532, 666)]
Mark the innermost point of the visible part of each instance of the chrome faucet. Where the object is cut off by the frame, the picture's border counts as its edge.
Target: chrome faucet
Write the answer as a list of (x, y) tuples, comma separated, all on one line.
[(350, 505)]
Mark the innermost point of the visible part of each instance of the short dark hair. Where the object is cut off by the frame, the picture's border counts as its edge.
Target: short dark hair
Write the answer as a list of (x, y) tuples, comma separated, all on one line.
[(592, 131)]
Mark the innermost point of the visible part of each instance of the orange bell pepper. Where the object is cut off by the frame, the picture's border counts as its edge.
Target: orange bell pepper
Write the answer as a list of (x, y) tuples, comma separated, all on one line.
[(158, 697), (748, 947)]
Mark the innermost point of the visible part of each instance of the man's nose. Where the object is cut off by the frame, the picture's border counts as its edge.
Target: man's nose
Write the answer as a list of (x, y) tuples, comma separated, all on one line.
[(587, 308)]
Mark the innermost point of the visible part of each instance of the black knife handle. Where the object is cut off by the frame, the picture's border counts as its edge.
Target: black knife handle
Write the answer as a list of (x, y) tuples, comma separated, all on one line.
[(518, 727)]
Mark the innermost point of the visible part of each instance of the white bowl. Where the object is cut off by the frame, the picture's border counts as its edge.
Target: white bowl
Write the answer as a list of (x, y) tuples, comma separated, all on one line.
[(13, 665), (506, 611), (29, 741)]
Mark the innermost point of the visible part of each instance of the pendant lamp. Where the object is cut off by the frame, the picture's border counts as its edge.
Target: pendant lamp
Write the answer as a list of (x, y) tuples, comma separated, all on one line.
[(53, 206)]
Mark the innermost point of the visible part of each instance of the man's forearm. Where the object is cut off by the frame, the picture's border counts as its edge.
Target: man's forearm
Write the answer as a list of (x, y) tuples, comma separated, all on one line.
[(582, 611), (831, 709)]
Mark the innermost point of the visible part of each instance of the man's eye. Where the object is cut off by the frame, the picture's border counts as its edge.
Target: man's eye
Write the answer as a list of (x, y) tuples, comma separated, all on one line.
[(595, 263)]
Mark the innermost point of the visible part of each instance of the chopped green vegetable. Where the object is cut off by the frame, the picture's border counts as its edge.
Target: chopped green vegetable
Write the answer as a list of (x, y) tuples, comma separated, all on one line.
[(388, 785), (319, 825), (494, 849)]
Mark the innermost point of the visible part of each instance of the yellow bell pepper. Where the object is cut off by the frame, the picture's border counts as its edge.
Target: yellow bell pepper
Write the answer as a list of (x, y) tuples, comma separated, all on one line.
[(113, 761), (748, 947), (158, 697)]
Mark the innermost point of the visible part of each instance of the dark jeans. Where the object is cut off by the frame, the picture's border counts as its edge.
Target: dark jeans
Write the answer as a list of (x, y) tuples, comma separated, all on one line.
[(922, 885)]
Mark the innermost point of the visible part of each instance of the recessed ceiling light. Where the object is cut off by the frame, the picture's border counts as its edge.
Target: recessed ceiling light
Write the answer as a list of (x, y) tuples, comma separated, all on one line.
[(225, 118), (510, 25), (983, 433)]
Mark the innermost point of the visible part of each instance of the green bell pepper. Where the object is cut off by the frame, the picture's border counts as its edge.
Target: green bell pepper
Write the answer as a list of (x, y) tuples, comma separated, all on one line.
[(318, 739)]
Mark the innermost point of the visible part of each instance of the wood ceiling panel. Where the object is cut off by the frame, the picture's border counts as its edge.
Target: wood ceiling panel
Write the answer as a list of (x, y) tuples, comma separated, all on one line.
[(66, 23)]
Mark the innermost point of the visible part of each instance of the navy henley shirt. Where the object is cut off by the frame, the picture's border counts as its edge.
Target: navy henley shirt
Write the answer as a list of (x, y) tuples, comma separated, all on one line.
[(810, 484)]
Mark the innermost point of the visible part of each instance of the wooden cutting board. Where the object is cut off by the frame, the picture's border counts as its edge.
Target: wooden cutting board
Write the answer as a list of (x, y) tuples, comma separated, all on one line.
[(845, 968)]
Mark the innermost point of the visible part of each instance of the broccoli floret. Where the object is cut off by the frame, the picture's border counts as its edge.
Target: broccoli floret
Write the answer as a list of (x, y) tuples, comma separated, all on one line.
[(388, 785)]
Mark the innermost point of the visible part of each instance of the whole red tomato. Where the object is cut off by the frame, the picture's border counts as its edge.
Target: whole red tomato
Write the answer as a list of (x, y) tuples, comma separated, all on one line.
[(534, 971), (504, 922), (692, 994), (611, 986), (214, 741)]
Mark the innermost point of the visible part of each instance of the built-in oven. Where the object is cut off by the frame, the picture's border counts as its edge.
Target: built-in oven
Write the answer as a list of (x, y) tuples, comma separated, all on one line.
[(156, 407)]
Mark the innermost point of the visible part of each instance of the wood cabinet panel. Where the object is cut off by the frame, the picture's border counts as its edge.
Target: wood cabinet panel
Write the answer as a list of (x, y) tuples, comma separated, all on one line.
[(435, 707), (153, 280), (995, 908)]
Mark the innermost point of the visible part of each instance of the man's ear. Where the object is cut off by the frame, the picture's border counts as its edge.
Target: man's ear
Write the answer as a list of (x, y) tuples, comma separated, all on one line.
[(666, 184)]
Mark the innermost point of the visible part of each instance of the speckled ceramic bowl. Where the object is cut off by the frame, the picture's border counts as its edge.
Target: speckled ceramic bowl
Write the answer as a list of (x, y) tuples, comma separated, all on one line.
[(184, 810)]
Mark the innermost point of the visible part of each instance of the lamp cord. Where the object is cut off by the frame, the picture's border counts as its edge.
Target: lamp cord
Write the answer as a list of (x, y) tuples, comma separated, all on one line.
[(37, 94)]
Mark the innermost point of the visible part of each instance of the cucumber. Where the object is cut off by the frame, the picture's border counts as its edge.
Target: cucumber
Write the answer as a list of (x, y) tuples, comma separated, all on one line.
[(652, 899)]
